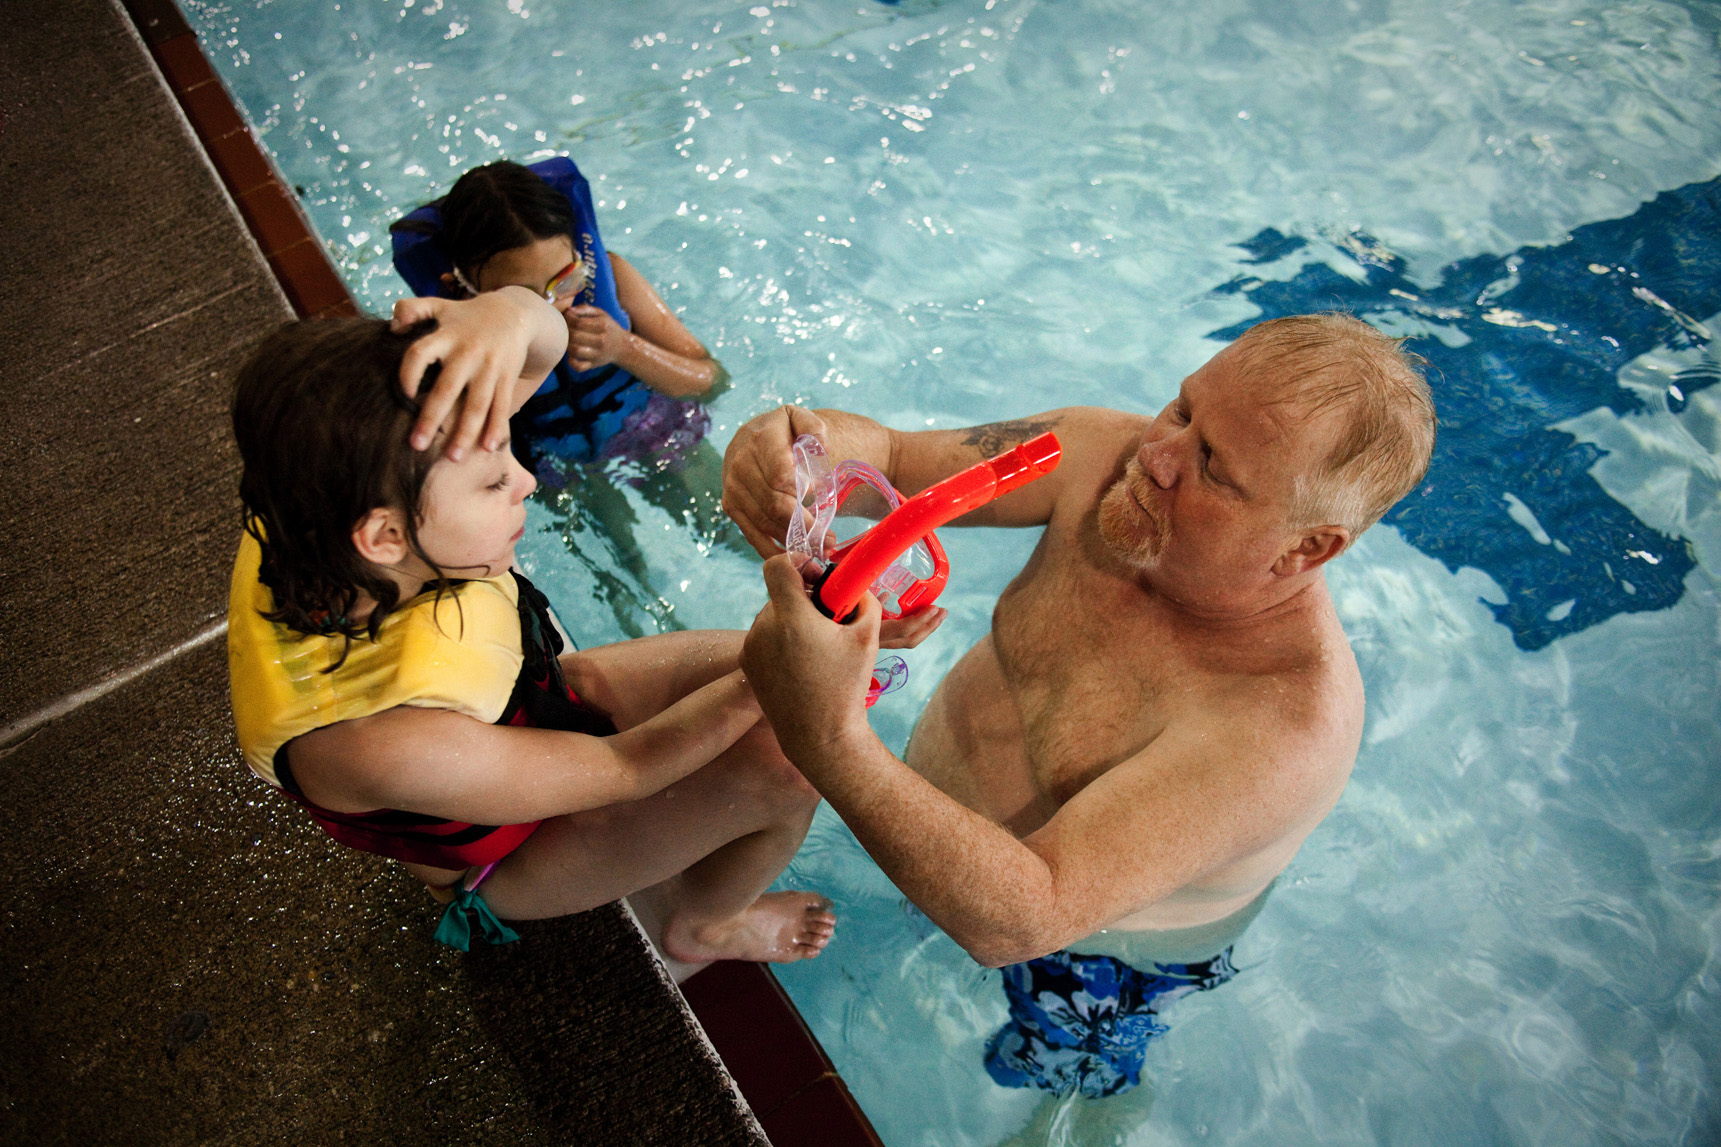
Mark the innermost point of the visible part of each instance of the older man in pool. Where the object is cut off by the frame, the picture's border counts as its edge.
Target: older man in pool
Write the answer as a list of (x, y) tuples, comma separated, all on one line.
[(1166, 705)]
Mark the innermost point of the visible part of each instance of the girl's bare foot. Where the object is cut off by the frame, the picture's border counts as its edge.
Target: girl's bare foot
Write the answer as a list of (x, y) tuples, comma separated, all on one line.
[(779, 928)]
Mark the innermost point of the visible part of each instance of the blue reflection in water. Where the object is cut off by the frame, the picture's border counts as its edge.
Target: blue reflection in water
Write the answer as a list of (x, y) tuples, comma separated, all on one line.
[(1516, 344)]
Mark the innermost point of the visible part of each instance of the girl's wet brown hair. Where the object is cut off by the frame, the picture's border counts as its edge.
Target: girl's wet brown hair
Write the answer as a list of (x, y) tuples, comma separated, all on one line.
[(322, 428)]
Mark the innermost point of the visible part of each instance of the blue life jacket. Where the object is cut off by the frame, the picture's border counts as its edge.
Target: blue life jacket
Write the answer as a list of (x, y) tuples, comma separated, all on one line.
[(575, 412)]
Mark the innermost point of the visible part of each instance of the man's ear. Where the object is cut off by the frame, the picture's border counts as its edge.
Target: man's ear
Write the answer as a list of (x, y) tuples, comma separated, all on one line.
[(380, 537), (1315, 548)]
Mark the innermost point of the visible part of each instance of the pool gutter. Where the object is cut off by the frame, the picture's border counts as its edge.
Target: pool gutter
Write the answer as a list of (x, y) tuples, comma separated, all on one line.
[(784, 1073)]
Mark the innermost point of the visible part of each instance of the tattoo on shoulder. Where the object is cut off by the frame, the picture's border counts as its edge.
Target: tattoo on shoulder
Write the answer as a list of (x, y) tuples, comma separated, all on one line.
[(997, 437)]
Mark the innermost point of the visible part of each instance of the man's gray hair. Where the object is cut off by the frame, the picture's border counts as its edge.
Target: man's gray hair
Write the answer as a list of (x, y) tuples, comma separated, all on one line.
[(1334, 362)]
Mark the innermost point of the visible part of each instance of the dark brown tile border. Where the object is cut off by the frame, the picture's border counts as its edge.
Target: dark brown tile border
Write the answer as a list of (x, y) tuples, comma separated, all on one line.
[(825, 1115), (311, 284), (239, 160), (268, 205), (183, 61), (782, 1071), (209, 108), (272, 215), (769, 1050), (157, 20)]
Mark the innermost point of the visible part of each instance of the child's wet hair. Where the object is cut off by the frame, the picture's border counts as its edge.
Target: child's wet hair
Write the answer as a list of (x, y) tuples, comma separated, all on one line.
[(322, 426), (496, 208)]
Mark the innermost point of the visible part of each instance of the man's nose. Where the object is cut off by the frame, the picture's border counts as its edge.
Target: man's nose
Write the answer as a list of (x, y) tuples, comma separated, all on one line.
[(1159, 461)]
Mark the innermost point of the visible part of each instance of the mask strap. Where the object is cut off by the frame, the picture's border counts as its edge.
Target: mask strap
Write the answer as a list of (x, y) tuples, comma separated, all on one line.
[(464, 284)]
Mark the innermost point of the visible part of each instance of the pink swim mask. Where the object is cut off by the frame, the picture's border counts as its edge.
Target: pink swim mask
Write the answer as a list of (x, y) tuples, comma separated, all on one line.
[(897, 556), (913, 577), (898, 559)]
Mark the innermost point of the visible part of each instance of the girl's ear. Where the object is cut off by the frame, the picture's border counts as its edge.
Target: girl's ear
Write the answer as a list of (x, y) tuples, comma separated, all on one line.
[(380, 537)]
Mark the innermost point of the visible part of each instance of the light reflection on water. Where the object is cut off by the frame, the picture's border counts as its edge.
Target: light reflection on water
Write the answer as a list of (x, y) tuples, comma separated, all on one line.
[(946, 213)]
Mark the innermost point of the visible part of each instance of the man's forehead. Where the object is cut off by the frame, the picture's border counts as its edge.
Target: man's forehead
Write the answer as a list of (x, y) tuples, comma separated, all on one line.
[(1259, 431), (1233, 401)]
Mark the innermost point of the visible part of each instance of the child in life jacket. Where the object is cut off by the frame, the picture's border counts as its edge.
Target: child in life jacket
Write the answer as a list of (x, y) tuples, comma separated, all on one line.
[(397, 680), (626, 389)]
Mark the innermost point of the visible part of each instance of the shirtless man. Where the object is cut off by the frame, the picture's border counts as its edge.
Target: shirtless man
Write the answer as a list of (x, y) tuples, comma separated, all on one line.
[(1166, 705)]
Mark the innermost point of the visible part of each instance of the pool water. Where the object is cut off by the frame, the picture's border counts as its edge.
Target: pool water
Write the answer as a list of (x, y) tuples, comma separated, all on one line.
[(945, 213)]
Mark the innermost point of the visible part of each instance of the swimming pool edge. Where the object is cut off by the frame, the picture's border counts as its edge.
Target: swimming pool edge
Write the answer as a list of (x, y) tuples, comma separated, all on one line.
[(787, 1078), (266, 202)]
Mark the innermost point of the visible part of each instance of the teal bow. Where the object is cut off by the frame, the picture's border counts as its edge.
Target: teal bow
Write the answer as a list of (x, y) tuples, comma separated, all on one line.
[(456, 931)]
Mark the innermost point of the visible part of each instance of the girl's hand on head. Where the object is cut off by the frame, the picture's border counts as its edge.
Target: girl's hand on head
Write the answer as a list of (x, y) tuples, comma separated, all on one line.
[(482, 345), (594, 338)]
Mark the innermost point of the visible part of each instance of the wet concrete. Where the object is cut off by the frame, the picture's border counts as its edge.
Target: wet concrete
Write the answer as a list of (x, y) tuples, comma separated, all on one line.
[(186, 959)]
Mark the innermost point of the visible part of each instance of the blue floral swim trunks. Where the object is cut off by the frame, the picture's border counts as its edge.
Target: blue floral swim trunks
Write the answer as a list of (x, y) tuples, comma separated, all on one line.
[(1080, 1024)]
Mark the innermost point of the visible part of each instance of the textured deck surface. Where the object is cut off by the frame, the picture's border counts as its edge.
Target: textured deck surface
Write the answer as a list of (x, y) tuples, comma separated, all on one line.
[(188, 961), (129, 291)]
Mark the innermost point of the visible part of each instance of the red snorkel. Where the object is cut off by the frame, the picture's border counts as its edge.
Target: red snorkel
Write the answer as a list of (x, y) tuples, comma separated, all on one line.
[(858, 563)]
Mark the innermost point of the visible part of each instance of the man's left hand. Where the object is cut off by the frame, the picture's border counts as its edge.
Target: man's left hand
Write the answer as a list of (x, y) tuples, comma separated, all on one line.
[(809, 673), (909, 631)]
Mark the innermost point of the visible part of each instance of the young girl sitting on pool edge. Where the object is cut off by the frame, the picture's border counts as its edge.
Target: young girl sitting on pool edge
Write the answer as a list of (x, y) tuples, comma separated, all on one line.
[(428, 719)]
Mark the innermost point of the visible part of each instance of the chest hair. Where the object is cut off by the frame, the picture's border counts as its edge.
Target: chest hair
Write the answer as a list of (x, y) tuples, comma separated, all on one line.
[(1080, 657)]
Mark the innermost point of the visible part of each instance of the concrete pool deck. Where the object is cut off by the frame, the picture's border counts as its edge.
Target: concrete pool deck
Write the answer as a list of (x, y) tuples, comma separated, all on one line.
[(187, 960)]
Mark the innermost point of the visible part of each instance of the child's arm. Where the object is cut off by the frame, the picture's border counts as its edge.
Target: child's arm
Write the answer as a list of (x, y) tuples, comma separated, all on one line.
[(441, 763), (495, 349), (660, 351)]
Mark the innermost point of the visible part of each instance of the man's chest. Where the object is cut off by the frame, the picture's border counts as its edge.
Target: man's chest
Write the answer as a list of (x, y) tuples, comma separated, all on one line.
[(1093, 680)]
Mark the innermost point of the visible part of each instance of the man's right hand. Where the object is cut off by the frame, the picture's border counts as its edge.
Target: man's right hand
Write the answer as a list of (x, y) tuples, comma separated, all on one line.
[(809, 673), (759, 475)]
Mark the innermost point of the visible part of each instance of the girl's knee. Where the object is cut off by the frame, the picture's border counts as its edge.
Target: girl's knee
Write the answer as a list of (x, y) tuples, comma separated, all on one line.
[(769, 776), (798, 790)]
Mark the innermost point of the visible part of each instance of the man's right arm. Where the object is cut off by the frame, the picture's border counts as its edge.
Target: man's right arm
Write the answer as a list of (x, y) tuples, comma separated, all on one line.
[(759, 473), (1251, 773)]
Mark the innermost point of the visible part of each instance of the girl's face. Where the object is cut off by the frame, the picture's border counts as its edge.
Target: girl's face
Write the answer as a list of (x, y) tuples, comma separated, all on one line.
[(533, 266), (475, 512)]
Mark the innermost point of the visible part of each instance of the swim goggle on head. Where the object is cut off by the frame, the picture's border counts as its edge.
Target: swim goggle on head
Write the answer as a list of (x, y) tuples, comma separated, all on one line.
[(899, 559)]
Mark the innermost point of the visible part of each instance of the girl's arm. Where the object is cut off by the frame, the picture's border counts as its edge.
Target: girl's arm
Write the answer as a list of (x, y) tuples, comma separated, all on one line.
[(495, 350), (659, 351), (441, 763)]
